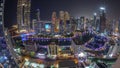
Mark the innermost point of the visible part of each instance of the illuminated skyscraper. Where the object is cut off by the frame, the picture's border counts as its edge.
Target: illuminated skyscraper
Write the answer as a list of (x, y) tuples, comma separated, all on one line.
[(82, 20), (102, 19), (57, 25), (34, 22), (113, 25), (98, 25), (73, 24), (78, 23), (87, 23), (61, 14), (54, 20), (54, 17), (23, 14), (67, 22), (95, 20)]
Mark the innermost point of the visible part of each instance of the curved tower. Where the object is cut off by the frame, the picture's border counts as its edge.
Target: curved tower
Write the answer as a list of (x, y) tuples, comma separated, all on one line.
[(23, 14)]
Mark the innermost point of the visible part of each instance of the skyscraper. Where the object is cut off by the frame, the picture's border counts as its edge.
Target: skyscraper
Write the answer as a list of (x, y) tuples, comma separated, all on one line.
[(82, 20), (23, 14), (54, 17), (113, 25), (61, 14), (34, 21), (38, 24), (38, 15), (73, 24), (54, 20), (95, 20), (67, 21), (78, 23), (102, 19)]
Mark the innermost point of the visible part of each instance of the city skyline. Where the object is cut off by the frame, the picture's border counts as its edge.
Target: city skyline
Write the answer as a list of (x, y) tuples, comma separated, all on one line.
[(59, 34), (75, 8)]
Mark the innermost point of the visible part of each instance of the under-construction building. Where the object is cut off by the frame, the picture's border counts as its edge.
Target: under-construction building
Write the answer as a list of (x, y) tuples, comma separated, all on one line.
[(23, 14)]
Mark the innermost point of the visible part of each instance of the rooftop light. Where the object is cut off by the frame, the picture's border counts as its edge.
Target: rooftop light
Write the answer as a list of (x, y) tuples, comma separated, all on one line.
[(102, 8)]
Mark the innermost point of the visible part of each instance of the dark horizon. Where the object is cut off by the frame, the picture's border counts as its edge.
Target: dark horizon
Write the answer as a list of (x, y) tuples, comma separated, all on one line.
[(75, 7)]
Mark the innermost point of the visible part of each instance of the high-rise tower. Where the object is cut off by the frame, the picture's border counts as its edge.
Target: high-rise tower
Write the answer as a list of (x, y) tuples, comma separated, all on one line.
[(95, 20), (61, 14), (67, 21), (23, 14), (102, 19), (54, 17), (82, 20), (54, 20), (38, 15), (78, 23)]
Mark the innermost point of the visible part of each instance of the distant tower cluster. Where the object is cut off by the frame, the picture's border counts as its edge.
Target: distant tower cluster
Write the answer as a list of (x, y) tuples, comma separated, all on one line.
[(56, 25), (63, 21), (23, 14)]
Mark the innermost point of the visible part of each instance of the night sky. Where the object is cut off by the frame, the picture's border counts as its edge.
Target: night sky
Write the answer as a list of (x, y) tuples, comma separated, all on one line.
[(74, 7)]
